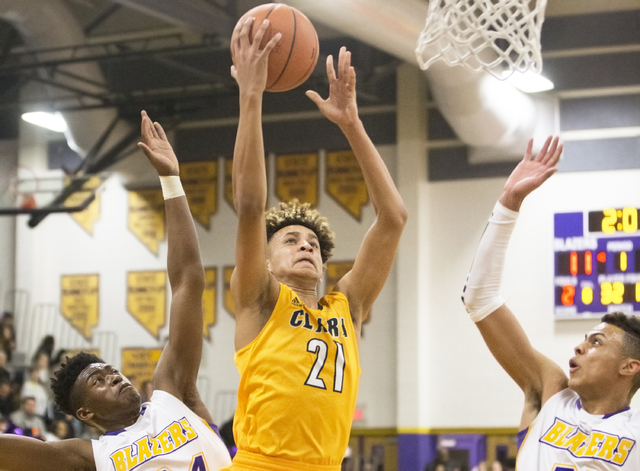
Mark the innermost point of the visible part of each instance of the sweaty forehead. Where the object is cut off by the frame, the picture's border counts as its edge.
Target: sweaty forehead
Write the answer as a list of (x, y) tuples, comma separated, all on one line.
[(89, 370), (608, 330)]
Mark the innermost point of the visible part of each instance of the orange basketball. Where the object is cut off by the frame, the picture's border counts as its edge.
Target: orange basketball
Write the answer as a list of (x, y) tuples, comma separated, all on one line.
[(294, 57)]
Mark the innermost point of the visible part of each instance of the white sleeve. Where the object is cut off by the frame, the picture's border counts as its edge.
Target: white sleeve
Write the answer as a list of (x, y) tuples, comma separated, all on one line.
[(481, 294)]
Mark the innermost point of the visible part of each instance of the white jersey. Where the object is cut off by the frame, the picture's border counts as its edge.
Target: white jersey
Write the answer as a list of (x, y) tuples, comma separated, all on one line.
[(564, 437), (168, 436)]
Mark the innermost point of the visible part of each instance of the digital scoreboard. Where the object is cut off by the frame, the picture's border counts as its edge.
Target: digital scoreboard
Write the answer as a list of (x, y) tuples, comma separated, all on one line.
[(597, 263)]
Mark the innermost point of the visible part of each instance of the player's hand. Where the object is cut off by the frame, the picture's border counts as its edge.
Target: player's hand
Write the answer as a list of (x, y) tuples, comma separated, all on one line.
[(531, 173), (250, 63), (341, 107), (157, 148)]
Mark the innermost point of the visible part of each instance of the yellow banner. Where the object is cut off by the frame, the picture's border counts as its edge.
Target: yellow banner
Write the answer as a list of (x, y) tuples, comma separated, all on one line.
[(146, 217), (79, 302), (138, 364), (297, 177), (335, 272), (89, 216), (146, 299), (228, 299), (209, 301), (345, 182), (228, 187), (200, 182)]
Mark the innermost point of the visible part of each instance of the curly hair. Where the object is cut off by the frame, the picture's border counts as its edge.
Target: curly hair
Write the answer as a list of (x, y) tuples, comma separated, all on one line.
[(295, 213), (65, 378), (631, 343)]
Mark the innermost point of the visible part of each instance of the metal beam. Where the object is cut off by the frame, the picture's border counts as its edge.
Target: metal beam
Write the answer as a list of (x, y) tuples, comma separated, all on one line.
[(198, 15)]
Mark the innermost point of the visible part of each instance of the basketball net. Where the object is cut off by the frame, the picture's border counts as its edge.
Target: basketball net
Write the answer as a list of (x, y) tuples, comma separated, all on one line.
[(491, 35)]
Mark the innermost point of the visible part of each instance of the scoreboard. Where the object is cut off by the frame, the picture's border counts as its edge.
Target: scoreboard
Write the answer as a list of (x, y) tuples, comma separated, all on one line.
[(597, 263)]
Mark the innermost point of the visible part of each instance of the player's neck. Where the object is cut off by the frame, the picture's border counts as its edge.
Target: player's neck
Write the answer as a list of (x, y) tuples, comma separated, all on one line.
[(117, 423), (605, 402), (309, 296)]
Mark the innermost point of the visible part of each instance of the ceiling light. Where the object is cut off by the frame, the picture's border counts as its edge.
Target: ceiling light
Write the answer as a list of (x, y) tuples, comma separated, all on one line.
[(53, 121), (528, 82)]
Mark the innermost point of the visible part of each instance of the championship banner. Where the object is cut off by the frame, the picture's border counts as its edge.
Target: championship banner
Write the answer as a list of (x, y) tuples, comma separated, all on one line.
[(228, 186), (297, 177), (334, 273), (345, 182), (209, 301), (146, 299), (228, 299), (89, 216), (146, 217), (200, 183), (79, 302), (138, 364)]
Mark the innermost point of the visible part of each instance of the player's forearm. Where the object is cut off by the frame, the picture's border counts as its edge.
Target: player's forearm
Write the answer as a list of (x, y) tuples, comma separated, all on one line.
[(510, 200), (184, 264), (384, 195), (481, 294), (249, 177), (27, 454)]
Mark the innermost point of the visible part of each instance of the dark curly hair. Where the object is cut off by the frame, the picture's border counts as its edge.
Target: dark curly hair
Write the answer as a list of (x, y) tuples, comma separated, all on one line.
[(295, 213), (631, 343), (65, 378)]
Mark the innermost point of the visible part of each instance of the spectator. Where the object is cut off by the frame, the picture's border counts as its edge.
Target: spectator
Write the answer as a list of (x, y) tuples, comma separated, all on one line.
[(61, 431), (5, 368), (7, 334), (27, 419), (32, 387), (146, 391), (41, 364), (7, 403)]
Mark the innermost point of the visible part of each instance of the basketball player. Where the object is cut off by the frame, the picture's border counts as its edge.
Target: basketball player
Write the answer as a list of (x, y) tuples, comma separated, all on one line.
[(169, 432), (578, 423), (297, 354)]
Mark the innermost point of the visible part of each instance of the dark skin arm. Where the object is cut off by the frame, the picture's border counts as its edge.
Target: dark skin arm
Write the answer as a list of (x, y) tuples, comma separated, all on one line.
[(27, 454), (177, 369)]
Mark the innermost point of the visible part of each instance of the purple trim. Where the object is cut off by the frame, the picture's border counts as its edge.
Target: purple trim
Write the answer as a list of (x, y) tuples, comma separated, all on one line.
[(115, 432), (215, 428), (416, 450), (606, 416), (520, 436)]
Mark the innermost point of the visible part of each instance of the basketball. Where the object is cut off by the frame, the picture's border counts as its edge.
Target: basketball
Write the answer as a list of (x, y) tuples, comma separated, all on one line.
[(294, 57)]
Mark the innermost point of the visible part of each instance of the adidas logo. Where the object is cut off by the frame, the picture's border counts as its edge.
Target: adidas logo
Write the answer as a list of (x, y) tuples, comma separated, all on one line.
[(296, 302)]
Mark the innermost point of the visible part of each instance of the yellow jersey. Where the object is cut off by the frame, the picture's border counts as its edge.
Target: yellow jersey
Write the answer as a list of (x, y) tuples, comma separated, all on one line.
[(298, 384)]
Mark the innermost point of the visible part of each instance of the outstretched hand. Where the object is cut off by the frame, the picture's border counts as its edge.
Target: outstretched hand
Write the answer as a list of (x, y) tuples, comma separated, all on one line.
[(157, 148), (250, 63), (531, 173), (341, 107)]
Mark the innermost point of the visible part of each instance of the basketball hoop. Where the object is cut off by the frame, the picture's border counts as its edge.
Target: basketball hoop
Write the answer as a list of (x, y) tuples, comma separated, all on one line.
[(491, 35)]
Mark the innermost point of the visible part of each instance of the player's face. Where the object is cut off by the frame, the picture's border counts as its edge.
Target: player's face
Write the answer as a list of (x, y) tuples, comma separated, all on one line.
[(597, 359), (295, 251), (106, 393)]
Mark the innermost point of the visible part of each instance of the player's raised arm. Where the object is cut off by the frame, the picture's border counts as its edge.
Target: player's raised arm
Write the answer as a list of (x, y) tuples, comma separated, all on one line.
[(537, 375), (375, 258), (254, 292), (26, 454), (177, 369)]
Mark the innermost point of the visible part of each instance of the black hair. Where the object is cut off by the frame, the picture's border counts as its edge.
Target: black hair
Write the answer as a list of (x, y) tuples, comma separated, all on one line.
[(65, 378), (630, 325)]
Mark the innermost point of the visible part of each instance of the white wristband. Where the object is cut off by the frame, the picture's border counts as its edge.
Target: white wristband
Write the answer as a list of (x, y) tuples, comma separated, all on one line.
[(481, 294), (171, 187)]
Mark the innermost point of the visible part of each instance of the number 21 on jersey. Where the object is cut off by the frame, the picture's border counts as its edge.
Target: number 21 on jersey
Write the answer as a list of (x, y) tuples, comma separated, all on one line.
[(321, 351)]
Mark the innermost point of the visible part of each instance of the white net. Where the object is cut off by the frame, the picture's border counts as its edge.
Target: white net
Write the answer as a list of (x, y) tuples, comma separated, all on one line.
[(492, 35)]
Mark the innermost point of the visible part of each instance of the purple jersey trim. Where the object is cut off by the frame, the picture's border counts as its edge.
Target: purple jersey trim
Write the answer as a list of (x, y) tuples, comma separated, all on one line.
[(606, 416), (521, 436), (214, 427)]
